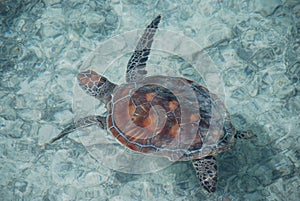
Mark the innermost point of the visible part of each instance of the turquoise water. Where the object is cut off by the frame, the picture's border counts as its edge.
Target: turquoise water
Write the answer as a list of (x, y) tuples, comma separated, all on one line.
[(252, 47)]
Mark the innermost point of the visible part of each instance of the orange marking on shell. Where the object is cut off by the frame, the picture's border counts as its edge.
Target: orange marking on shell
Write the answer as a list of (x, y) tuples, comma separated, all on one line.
[(173, 105), (150, 96), (174, 130), (131, 108), (147, 122)]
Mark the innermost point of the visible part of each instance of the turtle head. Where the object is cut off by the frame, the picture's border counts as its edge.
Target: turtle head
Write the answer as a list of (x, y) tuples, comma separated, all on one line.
[(96, 85)]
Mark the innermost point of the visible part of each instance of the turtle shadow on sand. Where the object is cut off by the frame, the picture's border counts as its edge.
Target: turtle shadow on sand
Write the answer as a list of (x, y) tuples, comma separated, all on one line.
[(236, 166)]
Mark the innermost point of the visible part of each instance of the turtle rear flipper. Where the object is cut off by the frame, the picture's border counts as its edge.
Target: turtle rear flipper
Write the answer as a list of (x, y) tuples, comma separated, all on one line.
[(206, 170), (81, 123)]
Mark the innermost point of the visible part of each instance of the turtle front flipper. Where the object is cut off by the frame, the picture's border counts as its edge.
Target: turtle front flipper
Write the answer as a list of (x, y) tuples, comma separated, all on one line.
[(206, 170), (81, 123), (137, 63)]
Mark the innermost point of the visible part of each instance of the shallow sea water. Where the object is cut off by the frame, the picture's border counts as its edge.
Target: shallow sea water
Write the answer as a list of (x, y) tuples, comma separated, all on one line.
[(252, 47)]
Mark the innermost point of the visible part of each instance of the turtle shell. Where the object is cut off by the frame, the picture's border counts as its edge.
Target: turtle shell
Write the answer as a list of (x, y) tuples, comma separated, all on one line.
[(170, 117)]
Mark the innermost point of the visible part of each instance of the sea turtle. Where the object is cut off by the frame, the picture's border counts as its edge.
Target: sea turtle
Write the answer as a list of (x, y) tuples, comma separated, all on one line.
[(165, 116)]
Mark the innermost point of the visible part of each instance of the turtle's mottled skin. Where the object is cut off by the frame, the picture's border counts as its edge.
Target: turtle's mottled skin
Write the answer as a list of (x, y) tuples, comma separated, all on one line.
[(171, 117)]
